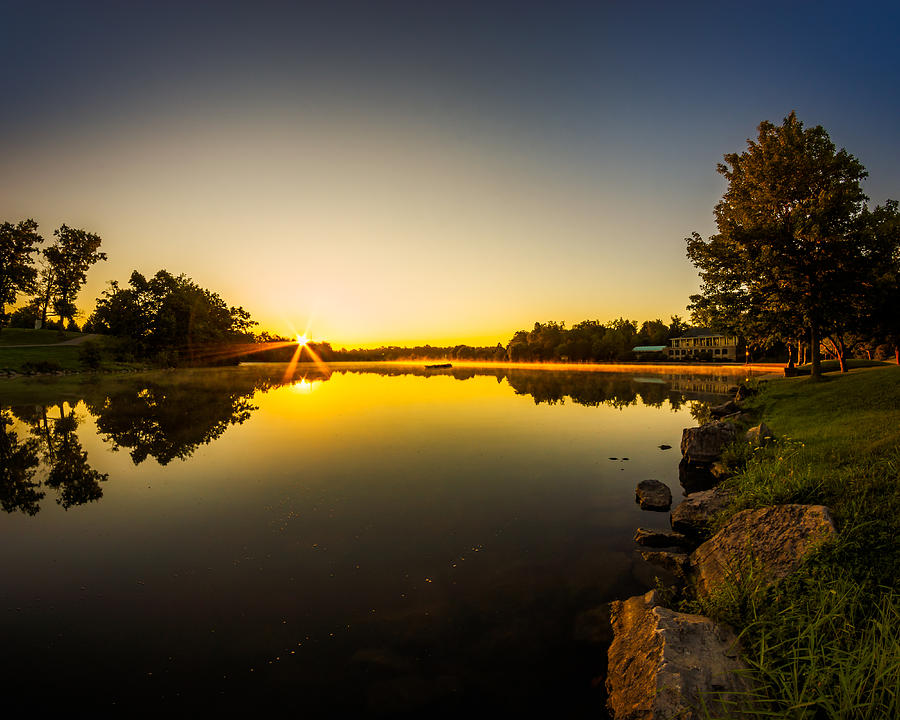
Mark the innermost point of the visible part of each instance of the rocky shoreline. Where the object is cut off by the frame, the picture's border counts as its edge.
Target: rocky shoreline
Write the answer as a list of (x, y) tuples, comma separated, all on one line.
[(665, 664)]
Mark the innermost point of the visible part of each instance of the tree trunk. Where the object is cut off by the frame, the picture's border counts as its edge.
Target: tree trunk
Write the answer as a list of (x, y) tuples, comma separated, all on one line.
[(790, 349), (815, 372), (839, 350)]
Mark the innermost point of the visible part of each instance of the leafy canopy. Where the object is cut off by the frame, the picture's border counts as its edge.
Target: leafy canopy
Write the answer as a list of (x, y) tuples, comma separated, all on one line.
[(793, 245)]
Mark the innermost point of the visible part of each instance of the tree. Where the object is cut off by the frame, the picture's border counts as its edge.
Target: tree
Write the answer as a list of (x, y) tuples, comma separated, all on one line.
[(17, 245), (169, 314), (791, 243), (65, 271)]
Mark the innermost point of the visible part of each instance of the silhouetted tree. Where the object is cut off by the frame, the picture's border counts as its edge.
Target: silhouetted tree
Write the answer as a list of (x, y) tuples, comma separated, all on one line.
[(65, 269), (171, 314), (18, 243)]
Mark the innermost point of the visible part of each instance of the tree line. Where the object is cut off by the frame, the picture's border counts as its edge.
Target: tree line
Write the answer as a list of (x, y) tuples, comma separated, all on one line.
[(587, 341)]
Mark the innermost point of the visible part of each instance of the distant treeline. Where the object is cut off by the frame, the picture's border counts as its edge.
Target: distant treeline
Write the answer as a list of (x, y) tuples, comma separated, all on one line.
[(588, 341)]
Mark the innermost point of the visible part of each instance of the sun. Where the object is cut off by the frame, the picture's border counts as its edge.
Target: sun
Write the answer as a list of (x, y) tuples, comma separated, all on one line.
[(302, 339)]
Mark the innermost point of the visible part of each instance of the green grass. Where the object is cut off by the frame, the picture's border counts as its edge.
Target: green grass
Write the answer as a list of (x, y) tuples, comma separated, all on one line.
[(19, 336), (65, 357), (14, 358), (835, 366), (825, 643)]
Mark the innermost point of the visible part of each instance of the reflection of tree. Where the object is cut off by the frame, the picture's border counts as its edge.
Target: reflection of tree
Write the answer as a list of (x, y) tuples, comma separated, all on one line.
[(169, 420), (555, 386), (55, 444), (18, 464), (70, 475)]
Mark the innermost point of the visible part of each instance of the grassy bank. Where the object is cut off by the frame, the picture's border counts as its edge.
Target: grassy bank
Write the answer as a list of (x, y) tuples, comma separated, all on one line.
[(825, 643), (43, 351)]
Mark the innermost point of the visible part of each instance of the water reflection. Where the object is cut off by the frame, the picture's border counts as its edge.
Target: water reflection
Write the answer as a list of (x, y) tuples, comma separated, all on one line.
[(18, 465), (364, 545), (167, 416), (53, 448)]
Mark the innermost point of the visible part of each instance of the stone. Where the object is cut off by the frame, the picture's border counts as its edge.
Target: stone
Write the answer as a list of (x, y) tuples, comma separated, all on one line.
[(661, 662), (770, 542), (759, 435), (653, 495), (726, 408), (694, 477), (694, 515), (720, 471), (704, 444), (660, 538), (676, 563), (743, 392)]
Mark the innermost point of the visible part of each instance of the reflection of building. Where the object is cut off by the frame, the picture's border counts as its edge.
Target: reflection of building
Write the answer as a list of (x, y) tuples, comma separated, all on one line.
[(649, 350), (701, 344), (711, 389)]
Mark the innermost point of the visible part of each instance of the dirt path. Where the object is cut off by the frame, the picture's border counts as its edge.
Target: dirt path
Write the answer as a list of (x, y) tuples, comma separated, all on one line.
[(73, 341)]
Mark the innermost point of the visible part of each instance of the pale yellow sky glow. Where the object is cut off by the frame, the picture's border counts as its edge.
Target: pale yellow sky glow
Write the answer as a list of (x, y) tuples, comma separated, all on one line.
[(364, 232)]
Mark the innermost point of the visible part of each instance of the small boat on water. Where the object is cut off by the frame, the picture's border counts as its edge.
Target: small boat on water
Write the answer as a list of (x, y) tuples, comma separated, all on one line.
[(438, 366)]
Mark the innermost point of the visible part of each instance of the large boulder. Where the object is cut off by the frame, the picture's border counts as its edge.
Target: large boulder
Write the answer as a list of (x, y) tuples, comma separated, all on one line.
[(661, 662), (771, 542), (653, 495), (704, 444), (694, 515)]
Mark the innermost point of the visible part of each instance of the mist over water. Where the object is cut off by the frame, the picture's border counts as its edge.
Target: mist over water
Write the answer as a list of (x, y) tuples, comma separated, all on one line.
[(378, 539)]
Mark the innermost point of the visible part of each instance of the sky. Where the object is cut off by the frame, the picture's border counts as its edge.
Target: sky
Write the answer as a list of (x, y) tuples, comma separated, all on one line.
[(412, 172)]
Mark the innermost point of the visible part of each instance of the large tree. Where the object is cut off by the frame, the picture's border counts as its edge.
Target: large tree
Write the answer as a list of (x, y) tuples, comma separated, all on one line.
[(170, 314), (791, 246), (18, 243), (65, 270)]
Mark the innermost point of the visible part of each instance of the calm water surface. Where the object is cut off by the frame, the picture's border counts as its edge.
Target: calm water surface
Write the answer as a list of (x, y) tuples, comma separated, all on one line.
[(381, 540)]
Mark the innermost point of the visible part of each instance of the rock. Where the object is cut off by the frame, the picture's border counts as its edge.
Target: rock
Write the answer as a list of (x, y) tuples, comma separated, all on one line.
[(771, 542), (704, 444), (759, 435), (660, 538), (720, 471), (661, 661), (677, 563), (694, 478), (726, 408), (743, 392), (693, 515), (653, 495)]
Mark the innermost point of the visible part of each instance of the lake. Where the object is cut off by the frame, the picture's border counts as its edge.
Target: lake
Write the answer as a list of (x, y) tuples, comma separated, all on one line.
[(376, 540)]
